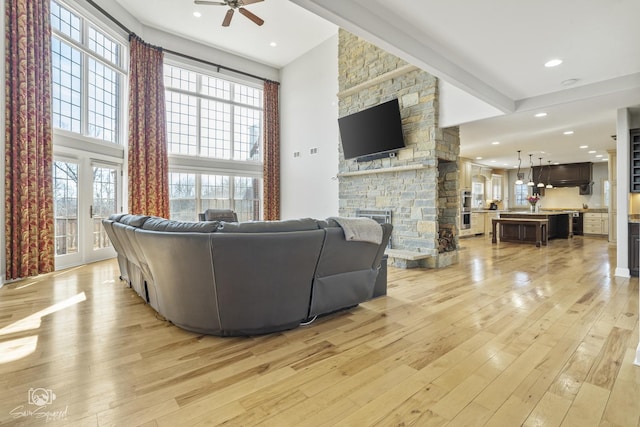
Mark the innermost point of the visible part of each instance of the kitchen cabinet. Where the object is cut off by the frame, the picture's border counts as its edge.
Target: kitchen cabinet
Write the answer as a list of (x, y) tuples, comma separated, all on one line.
[(487, 221), (634, 248), (496, 187), (595, 223), (568, 175), (465, 174), (477, 222), (634, 157)]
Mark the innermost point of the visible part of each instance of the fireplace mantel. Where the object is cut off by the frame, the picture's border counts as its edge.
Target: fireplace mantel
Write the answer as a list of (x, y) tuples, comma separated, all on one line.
[(384, 170)]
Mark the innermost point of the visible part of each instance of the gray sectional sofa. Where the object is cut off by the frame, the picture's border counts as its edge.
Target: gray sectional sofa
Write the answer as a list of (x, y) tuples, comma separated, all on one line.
[(244, 278)]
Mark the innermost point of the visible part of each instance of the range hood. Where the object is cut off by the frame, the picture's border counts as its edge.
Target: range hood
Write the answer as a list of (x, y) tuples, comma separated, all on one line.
[(566, 175)]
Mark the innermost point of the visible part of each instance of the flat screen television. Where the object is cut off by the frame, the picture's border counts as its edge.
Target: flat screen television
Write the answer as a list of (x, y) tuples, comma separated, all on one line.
[(372, 133)]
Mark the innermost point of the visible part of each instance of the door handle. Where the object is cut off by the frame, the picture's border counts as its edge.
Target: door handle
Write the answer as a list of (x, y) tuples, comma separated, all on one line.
[(90, 211)]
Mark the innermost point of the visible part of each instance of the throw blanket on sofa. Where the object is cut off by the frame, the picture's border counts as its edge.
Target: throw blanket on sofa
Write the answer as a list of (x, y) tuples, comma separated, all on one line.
[(360, 229)]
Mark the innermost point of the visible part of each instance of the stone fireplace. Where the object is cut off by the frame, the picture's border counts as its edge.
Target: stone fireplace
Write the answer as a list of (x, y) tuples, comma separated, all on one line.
[(420, 184)]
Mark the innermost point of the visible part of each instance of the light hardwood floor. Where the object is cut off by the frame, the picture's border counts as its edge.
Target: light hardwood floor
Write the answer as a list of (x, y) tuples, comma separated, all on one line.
[(512, 335)]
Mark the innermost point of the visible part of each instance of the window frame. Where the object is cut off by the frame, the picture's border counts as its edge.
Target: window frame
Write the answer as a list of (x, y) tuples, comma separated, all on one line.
[(201, 165), (69, 138)]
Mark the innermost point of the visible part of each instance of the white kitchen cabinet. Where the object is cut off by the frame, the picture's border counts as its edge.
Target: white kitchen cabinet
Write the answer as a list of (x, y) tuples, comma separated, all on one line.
[(488, 224), (465, 174), (595, 223), (477, 222)]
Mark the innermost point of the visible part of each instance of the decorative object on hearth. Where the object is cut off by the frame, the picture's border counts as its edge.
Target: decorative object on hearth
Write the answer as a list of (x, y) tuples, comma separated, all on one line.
[(518, 177), (233, 5)]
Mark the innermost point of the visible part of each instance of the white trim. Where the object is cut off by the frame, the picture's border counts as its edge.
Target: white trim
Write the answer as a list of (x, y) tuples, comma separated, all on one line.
[(622, 272), (637, 361)]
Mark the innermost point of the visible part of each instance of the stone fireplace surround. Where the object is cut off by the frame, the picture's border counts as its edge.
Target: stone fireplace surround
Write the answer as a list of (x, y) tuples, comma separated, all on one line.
[(420, 184)]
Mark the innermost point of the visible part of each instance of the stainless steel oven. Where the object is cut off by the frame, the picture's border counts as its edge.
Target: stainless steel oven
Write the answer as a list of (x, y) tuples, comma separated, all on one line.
[(465, 209)]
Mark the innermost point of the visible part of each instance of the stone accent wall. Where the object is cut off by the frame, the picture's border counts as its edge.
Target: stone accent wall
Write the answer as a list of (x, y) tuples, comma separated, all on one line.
[(408, 183)]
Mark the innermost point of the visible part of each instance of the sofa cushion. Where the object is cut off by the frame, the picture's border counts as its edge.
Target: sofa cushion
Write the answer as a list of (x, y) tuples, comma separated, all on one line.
[(116, 217), (303, 224), (161, 224), (133, 220)]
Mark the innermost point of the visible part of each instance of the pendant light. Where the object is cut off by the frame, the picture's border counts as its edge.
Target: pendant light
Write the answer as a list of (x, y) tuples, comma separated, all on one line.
[(518, 180), (549, 175), (530, 183), (540, 183)]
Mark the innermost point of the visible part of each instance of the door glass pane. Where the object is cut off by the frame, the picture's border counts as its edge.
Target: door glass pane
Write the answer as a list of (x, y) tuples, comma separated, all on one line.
[(105, 202), (65, 184)]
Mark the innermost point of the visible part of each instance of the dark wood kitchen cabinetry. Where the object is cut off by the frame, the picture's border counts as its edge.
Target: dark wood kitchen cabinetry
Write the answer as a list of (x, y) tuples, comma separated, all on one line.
[(566, 175), (634, 155), (634, 248)]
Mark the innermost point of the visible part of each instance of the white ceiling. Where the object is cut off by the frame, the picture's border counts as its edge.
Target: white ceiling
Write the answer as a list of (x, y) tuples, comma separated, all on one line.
[(492, 50)]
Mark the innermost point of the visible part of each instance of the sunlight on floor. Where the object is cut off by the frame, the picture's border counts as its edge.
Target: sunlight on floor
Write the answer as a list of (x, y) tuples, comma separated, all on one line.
[(18, 348)]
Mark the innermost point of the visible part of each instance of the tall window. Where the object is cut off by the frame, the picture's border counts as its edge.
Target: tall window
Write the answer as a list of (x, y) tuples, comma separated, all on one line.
[(219, 122), (190, 193), (87, 74), (521, 193)]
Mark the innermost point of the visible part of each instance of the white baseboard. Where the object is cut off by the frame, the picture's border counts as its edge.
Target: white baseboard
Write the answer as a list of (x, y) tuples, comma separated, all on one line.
[(622, 272), (637, 361)]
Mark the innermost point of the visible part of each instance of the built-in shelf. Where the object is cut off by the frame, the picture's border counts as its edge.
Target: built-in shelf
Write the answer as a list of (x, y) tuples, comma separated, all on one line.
[(383, 170), (408, 255)]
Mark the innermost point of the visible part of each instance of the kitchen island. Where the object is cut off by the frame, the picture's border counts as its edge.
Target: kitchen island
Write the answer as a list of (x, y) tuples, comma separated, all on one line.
[(559, 226)]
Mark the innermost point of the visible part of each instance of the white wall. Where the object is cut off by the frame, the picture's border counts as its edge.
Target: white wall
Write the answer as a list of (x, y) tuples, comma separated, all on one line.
[(309, 119)]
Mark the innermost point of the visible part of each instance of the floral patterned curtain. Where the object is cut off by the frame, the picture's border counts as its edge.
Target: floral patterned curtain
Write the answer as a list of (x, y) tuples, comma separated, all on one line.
[(148, 159), (28, 140), (271, 193)]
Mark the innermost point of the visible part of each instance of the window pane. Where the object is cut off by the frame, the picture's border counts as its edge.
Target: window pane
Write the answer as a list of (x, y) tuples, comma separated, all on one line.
[(217, 88), (246, 199), (104, 83), (247, 135), (182, 123), (105, 202), (104, 46), (214, 192), (182, 196), (521, 192), (65, 21), (66, 90), (215, 133), (65, 188), (178, 78), (248, 95)]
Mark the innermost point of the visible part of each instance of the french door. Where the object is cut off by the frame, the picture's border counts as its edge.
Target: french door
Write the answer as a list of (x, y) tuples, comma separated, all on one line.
[(85, 192)]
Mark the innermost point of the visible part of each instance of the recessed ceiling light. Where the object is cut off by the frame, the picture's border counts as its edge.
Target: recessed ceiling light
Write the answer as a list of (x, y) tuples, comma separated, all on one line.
[(584, 146), (540, 114), (495, 143), (568, 132), (556, 163), (592, 151), (273, 44), (598, 155), (197, 14), (553, 63), (569, 82), (493, 161), (478, 158), (605, 159)]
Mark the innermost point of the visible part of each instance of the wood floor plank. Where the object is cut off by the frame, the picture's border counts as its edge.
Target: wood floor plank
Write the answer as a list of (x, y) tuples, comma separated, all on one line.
[(512, 335)]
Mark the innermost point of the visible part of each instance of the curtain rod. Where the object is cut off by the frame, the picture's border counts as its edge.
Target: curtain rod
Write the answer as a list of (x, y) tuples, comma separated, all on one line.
[(218, 66)]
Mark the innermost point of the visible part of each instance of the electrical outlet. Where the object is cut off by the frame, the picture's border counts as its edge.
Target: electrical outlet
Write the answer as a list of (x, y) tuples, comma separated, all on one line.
[(313, 150), (296, 154)]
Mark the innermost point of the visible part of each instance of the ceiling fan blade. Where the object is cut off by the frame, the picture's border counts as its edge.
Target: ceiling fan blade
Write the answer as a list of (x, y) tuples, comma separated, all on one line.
[(246, 2), (210, 3), (254, 18), (227, 18)]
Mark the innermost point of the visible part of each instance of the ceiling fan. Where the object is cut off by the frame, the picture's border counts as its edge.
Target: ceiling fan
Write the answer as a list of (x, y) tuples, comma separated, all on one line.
[(233, 5)]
